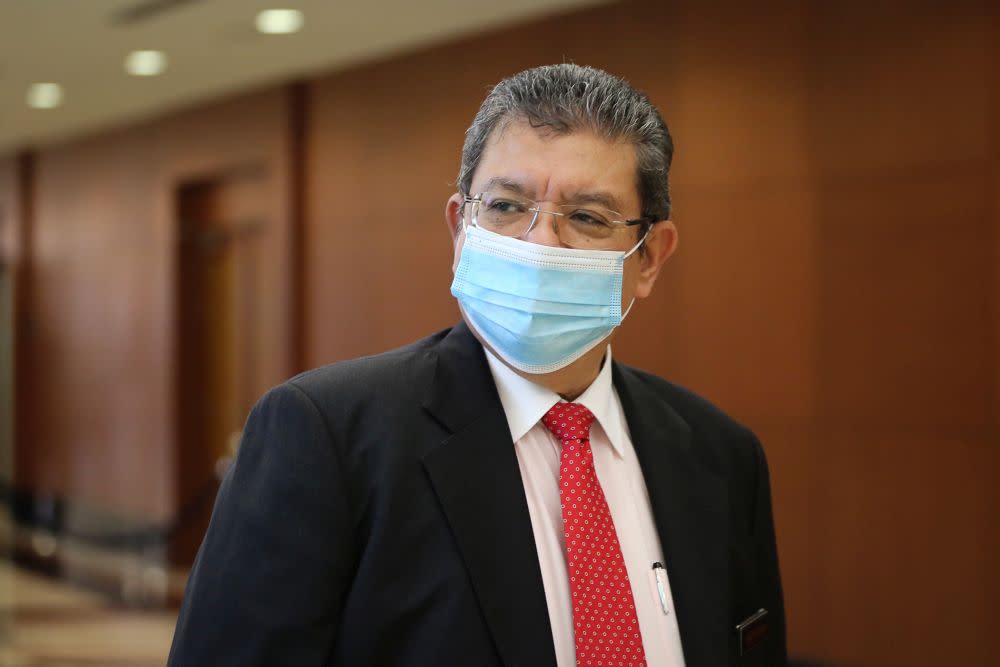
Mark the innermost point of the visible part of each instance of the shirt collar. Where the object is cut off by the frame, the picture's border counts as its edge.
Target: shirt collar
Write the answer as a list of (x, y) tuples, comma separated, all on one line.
[(525, 402)]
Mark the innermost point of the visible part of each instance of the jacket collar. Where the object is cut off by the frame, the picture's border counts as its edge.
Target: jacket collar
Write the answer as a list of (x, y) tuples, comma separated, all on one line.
[(689, 504), (475, 474)]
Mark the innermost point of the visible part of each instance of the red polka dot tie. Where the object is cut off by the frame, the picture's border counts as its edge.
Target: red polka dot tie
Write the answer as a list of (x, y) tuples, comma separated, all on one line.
[(604, 620)]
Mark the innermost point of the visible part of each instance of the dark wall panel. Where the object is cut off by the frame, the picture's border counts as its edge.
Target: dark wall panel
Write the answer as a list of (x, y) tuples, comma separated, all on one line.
[(900, 129)]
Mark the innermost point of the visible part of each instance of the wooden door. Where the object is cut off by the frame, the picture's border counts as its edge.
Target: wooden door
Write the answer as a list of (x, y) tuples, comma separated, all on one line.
[(8, 250), (221, 223)]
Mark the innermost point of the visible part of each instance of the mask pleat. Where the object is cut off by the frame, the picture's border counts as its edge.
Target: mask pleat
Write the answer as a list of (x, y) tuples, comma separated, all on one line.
[(539, 284), (538, 307)]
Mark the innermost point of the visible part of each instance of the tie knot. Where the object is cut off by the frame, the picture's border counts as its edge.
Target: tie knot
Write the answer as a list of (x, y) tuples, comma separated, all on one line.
[(569, 421)]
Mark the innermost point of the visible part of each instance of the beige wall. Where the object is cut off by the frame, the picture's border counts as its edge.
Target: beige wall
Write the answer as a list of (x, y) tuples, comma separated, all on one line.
[(836, 287)]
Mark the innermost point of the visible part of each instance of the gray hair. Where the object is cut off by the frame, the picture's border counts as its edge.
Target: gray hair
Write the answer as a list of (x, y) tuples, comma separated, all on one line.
[(569, 98)]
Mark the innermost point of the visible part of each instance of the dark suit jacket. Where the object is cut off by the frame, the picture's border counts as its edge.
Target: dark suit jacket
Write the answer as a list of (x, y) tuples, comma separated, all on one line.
[(375, 516)]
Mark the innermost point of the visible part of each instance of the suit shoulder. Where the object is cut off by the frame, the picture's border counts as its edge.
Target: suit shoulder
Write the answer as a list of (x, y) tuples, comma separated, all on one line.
[(387, 373), (700, 413), (722, 443)]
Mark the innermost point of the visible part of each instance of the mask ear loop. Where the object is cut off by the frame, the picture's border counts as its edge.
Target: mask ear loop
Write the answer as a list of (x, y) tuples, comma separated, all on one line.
[(627, 311), (626, 256)]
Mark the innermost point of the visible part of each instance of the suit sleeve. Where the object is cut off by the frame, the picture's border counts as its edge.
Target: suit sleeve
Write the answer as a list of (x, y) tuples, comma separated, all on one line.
[(767, 556), (269, 581)]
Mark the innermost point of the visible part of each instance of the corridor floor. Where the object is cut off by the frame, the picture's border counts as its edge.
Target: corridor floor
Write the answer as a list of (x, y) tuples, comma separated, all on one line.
[(47, 623)]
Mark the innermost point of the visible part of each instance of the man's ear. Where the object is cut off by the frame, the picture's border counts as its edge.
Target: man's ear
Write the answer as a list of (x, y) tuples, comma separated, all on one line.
[(660, 244), (453, 215)]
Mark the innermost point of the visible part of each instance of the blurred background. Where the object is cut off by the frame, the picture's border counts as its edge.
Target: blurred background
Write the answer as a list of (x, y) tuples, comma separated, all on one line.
[(198, 199)]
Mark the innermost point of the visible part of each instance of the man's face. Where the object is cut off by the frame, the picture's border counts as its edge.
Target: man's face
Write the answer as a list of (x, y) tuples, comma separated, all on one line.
[(560, 169)]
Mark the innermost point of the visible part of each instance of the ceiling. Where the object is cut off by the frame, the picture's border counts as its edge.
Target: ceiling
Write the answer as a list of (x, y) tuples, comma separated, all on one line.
[(212, 46)]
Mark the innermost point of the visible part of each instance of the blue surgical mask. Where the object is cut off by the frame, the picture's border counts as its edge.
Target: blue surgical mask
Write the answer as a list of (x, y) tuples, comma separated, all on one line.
[(539, 308)]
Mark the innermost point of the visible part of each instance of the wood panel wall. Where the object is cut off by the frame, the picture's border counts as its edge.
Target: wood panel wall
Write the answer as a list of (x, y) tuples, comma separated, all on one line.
[(837, 286), (100, 420)]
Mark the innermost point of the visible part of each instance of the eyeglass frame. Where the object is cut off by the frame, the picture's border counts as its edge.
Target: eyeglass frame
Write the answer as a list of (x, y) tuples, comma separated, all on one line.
[(536, 210)]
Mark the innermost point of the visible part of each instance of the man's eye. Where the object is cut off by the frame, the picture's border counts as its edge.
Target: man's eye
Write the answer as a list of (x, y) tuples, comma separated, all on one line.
[(589, 218), (506, 206)]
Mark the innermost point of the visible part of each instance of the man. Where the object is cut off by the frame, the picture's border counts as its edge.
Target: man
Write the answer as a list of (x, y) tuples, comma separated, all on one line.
[(504, 492)]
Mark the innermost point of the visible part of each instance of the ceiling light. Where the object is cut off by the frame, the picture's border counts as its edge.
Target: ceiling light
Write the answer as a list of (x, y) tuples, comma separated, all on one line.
[(146, 63), (279, 21), (44, 95)]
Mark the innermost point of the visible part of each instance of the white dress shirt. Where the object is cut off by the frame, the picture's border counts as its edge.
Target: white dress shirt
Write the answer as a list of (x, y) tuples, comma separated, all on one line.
[(538, 455)]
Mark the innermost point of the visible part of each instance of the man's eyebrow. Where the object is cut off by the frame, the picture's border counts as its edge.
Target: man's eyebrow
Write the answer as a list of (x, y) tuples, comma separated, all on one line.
[(605, 199), (600, 197), (506, 184)]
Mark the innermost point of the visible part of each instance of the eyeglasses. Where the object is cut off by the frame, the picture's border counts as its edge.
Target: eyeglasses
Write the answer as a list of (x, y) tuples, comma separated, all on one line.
[(578, 226)]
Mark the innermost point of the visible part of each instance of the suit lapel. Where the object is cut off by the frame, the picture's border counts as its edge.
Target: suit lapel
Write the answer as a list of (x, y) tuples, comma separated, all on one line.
[(689, 506), (477, 480)]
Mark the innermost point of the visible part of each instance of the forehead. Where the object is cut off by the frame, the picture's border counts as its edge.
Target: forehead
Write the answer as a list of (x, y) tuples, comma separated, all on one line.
[(560, 167)]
